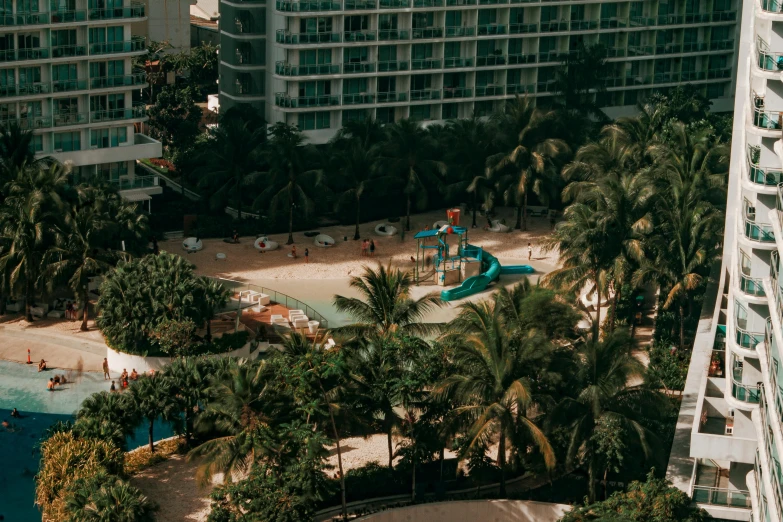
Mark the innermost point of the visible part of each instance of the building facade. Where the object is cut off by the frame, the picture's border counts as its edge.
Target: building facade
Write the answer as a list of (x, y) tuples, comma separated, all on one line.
[(66, 74), (317, 63), (727, 451)]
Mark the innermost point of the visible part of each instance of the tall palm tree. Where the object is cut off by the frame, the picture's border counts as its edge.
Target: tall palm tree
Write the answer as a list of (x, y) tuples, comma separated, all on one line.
[(187, 377), (367, 132), (603, 390), (532, 152), (469, 144), (409, 156), (104, 412), (152, 396), (289, 178), (385, 305), (212, 297), (356, 166), (79, 254), (16, 151), (228, 160), (241, 408), (587, 251), (489, 383), (640, 134)]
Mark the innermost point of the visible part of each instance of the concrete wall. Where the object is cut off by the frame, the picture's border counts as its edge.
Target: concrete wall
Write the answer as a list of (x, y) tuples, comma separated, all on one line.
[(475, 511), (167, 20), (119, 361)]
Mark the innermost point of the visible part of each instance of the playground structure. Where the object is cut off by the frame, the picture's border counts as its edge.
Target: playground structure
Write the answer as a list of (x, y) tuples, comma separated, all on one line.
[(446, 262)]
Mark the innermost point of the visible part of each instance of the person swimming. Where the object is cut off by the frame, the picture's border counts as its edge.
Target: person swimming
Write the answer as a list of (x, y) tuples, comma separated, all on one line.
[(15, 414)]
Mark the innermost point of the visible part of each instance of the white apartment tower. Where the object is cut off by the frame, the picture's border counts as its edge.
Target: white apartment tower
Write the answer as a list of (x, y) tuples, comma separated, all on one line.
[(317, 63), (727, 450), (66, 74)]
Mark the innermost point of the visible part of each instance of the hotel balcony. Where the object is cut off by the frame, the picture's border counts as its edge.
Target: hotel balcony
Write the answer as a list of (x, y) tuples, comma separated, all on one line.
[(720, 488)]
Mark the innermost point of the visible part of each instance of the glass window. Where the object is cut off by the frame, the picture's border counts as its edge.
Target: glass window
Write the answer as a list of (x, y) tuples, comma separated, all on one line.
[(355, 54), (387, 84), (485, 48), (420, 112), (28, 75), (354, 85), (421, 51), (355, 115), (314, 120), (452, 50), (484, 78), (450, 111), (315, 25), (637, 9), (549, 13), (577, 12), (356, 23), (106, 138), (67, 141), (30, 109), (385, 115), (608, 10), (421, 81), (112, 171), (515, 46), (36, 143), (487, 16), (483, 108), (422, 20), (547, 44), (66, 105), (453, 18), (387, 53), (7, 78), (387, 22)]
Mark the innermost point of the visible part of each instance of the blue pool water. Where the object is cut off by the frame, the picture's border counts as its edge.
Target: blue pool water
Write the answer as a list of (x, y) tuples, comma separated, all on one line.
[(22, 387)]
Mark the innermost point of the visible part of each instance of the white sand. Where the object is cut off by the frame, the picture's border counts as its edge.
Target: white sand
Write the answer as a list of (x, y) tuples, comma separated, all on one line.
[(344, 259)]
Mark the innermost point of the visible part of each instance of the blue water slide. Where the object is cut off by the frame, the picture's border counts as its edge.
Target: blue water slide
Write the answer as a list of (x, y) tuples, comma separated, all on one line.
[(517, 269), (478, 283)]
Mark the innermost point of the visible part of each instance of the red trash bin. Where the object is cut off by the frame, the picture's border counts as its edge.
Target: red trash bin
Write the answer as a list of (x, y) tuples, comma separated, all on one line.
[(453, 216)]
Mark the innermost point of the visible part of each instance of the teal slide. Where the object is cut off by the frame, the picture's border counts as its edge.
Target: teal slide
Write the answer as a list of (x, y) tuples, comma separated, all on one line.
[(517, 269), (475, 284)]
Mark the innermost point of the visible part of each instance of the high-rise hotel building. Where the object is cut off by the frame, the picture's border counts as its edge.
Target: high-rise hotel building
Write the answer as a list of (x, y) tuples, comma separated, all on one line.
[(66, 74), (729, 442), (317, 63)]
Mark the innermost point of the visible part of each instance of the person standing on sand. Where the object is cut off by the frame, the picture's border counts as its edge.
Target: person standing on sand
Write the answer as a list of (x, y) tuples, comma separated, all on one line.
[(364, 247), (307, 255), (372, 248), (106, 375), (529, 251), (293, 251)]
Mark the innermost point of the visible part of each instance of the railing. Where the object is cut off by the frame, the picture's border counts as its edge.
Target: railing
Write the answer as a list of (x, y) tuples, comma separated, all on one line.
[(456, 92), (392, 66), (135, 182), (764, 119), (779, 204), (772, 6), (456, 31), (135, 10), (520, 89), (24, 89), (749, 393), (766, 60), (277, 297), (491, 29), (489, 61), (751, 286), (721, 497), (360, 5), (69, 85), (424, 94), (26, 18), (284, 37), (392, 97), (763, 175), (69, 16), (425, 63), (358, 67), (490, 90), (361, 98), (747, 340), (762, 232), (360, 36), (296, 102), (452, 63), (522, 28), (427, 32), (127, 46), (514, 59), (138, 110), (133, 79), (393, 34), (285, 69), (70, 118), (289, 6)]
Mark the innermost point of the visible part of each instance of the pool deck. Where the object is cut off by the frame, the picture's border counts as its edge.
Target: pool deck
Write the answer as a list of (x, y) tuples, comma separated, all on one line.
[(59, 350)]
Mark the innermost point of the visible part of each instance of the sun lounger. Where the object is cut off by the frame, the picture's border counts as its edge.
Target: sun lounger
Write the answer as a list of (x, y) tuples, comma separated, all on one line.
[(300, 321), (292, 313), (14, 306)]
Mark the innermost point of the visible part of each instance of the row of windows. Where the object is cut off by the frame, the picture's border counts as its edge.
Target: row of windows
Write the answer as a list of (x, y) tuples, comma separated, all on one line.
[(323, 119), (32, 6), (61, 72), (62, 106), (72, 141), (63, 38)]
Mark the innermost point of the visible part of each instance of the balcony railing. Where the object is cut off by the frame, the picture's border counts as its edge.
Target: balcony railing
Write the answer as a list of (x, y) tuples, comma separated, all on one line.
[(721, 497), (750, 393), (360, 5), (452, 63), (457, 92), (297, 102), (360, 36), (135, 10), (424, 94), (489, 61), (28, 18), (393, 34), (522, 28), (358, 67), (520, 89), (69, 16), (766, 176), (392, 97), (135, 183), (361, 98), (751, 286), (491, 29), (70, 118), (284, 37), (427, 32), (425, 63), (128, 46), (762, 232), (457, 31), (772, 6), (490, 90), (392, 66), (514, 59), (285, 69), (138, 110), (105, 82), (748, 340), (293, 6)]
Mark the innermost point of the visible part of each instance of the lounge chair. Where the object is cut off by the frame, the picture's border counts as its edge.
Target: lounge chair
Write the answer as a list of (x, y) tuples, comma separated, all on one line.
[(385, 229), (192, 244), (263, 244), (323, 241)]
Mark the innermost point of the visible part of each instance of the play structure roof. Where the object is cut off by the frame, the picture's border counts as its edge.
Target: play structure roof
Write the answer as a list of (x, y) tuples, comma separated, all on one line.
[(433, 233)]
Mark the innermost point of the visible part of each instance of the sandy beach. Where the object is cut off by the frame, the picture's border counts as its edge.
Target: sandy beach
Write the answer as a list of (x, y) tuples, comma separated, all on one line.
[(344, 259)]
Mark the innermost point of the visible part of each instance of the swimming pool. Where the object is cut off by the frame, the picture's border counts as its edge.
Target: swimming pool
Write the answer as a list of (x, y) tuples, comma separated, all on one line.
[(22, 387)]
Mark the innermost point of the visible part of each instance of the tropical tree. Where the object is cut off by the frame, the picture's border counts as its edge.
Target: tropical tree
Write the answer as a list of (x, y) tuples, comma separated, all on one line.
[(604, 393), (187, 376), (489, 383), (367, 133), (691, 175), (586, 247), (532, 152), (385, 305), (241, 408), (212, 297), (469, 143), (108, 416), (80, 255), (153, 399), (107, 497), (16, 151), (409, 156), (290, 176), (228, 161), (356, 166)]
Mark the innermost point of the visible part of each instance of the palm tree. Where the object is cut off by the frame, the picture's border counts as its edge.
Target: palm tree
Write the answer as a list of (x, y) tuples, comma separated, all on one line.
[(385, 306), (356, 166), (691, 175), (152, 396), (469, 144), (79, 254), (16, 151), (367, 132), (187, 376), (529, 163), (111, 416), (290, 176), (409, 156), (640, 134), (603, 391), (212, 297), (228, 161), (241, 408), (489, 384), (107, 497), (33, 197), (587, 252)]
